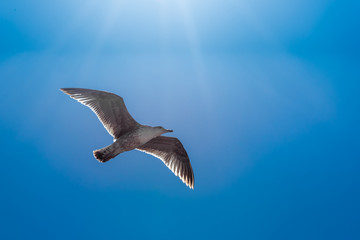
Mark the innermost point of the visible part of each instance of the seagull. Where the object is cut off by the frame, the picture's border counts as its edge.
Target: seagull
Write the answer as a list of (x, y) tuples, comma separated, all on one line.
[(129, 134)]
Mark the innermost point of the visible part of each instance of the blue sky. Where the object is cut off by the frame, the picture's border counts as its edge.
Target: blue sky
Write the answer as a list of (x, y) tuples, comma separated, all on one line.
[(264, 95)]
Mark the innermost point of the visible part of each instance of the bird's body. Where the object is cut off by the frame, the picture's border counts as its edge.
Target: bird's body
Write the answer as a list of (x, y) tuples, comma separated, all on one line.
[(129, 134), (127, 142)]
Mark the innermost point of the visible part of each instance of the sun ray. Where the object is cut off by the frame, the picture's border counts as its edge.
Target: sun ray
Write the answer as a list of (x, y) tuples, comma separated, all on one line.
[(194, 44)]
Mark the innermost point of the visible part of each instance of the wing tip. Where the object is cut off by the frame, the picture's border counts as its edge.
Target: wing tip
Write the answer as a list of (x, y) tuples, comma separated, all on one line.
[(191, 186), (65, 90), (187, 179), (189, 182)]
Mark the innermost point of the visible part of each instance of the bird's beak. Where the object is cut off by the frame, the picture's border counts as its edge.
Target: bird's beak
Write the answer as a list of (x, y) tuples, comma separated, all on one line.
[(169, 130)]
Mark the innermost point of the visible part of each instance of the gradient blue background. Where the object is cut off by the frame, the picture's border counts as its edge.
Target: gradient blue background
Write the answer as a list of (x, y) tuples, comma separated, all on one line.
[(264, 95)]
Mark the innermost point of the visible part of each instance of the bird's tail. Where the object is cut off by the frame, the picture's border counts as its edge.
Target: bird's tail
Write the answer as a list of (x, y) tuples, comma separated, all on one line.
[(105, 154)]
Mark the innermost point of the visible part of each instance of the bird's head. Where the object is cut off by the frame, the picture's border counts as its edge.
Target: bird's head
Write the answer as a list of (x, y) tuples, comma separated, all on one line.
[(162, 130)]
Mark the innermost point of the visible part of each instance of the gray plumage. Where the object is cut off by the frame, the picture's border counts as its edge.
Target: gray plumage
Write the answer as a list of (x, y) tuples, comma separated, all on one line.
[(129, 134)]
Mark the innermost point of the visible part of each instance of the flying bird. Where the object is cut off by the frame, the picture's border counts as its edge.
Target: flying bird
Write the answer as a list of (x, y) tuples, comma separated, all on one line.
[(129, 134)]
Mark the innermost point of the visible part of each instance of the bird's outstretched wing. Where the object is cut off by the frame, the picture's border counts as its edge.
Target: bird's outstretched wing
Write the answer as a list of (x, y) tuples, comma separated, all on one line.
[(172, 153), (109, 108)]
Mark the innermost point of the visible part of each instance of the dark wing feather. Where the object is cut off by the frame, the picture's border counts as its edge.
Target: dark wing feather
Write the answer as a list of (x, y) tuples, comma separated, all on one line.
[(172, 153), (109, 108)]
